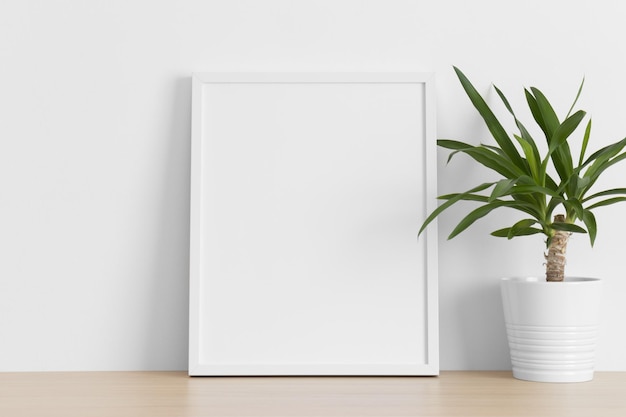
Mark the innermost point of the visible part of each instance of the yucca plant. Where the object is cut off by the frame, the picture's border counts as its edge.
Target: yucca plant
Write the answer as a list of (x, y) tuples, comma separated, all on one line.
[(553, 189)]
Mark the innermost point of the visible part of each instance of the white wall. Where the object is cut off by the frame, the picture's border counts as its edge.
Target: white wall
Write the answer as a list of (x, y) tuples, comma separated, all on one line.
[(94, 155)]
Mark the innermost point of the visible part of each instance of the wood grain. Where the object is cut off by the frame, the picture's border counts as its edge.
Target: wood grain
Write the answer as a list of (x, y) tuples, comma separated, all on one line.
[(155, 394)]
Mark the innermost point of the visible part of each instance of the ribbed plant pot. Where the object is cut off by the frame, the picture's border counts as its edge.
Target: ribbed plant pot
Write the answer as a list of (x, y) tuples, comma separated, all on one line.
[(552, 327)]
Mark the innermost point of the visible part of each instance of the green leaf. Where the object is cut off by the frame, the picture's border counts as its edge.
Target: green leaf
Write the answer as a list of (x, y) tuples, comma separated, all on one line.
[(534, 109), (562, 152), (509, 234), (580, 89), (528, 144), (604, 154), (559, 149), (501, 232), (520, 225), (600, 166), (582, 185), (494, 126), (501, 188), (575, 205), (552, 205), (585, 142), (564, 130), (504, 100), (453, 144), (495, 149), (572, 185), (526, 204), (527, 231), (485, 157), (532, 156), (548, 116), (606, 202), (481, 212), (465, 197), (560, 162), (567, 227), (551, 184), (450, 202), (590, 221), (529, 189), (612, 191), (600, 161)]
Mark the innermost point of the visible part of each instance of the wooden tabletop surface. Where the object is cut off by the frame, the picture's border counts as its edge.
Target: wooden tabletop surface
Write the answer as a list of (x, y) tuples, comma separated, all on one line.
[(172, 394)]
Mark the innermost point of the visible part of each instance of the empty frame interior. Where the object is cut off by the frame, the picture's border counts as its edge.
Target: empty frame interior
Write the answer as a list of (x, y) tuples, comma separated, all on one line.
[(308, 191)]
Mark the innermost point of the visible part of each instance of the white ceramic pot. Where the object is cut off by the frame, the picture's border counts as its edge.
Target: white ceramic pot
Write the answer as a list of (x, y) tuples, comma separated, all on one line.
[(552, 327)]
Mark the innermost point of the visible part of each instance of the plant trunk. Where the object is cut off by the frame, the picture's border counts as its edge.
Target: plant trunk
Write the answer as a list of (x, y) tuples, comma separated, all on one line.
[(555, 258)]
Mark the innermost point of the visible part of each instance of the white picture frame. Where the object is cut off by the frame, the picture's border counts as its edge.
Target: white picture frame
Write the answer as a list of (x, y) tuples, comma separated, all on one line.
[(307, 193)]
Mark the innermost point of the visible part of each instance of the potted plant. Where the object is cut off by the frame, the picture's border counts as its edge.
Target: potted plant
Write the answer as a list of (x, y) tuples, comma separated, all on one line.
[(551, 323)]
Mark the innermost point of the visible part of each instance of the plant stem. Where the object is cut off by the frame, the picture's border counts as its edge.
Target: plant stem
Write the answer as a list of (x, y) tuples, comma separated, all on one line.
[(555, 258)]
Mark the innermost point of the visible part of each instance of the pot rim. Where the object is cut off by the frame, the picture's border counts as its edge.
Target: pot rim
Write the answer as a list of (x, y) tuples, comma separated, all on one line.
[(542, 280)]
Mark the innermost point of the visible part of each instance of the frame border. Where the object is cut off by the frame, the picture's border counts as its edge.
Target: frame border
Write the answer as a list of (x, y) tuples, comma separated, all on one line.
[(431, 366)]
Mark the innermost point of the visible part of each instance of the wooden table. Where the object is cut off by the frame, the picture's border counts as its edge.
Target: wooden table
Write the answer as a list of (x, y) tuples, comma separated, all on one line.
[(174, 394)]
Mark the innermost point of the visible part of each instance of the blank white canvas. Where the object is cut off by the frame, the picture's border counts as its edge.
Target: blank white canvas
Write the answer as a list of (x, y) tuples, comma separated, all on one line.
[(305, 256)]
